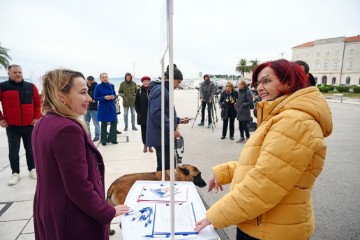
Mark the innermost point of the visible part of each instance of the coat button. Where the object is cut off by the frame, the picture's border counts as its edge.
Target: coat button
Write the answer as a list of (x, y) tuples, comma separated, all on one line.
[(99, 182), (96, 168)]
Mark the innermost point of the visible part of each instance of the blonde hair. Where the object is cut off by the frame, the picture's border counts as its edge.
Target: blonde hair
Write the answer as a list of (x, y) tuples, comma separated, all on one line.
[(231, 83), (54, 82), (243, 82)]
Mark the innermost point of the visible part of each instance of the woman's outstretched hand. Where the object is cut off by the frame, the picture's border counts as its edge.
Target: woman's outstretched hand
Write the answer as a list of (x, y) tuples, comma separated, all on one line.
[(213, 184), (121, 209), (200, 225)]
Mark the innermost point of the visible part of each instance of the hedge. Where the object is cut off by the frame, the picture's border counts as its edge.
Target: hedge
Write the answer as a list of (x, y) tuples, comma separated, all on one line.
[(356, 89)]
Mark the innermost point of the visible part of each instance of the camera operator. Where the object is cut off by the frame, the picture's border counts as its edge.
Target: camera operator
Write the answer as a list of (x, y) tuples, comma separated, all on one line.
[(207, 92)]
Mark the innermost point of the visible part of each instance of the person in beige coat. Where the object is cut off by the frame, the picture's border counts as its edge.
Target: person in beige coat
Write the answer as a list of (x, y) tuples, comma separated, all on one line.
[(270, 195)]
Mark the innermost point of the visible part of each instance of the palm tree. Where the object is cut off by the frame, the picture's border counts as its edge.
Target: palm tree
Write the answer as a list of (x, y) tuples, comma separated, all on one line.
[(253, 64), (242, 66), (4, 57)]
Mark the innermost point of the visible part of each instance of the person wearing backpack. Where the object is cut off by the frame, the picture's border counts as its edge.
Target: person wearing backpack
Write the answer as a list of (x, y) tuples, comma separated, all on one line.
[(243, 106)]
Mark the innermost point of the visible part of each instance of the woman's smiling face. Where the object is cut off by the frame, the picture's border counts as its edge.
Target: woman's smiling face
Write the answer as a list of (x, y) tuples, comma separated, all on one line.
[(78, 99), (268, 84)]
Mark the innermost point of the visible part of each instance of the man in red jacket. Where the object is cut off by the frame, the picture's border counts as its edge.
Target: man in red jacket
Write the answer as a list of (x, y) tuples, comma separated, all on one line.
[(21, 110)]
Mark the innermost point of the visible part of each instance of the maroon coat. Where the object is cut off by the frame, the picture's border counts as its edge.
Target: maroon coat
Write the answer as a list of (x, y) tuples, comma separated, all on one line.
[(69, 201)]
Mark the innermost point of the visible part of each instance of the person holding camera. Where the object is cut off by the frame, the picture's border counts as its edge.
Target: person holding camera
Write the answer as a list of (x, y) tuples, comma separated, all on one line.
[(207, 92)]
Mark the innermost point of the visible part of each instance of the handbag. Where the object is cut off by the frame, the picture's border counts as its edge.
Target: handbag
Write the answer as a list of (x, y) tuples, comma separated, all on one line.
[(117, 106)]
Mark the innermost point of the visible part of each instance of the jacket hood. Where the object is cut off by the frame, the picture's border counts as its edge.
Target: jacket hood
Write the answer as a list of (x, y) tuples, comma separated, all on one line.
[(309, 100)]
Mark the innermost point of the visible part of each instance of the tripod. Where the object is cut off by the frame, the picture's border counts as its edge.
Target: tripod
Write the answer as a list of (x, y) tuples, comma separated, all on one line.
[(197, 114), (214, 116)]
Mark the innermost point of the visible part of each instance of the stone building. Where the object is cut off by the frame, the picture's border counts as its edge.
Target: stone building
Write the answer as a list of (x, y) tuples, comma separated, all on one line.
[(332, 61)]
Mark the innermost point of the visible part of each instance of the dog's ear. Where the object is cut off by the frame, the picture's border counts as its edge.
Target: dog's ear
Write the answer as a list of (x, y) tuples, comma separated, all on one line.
[(184, 170)]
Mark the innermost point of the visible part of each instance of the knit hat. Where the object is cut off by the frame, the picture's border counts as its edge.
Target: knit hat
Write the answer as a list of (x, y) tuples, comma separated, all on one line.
[(91, 78), (177, 73), (145, 78)]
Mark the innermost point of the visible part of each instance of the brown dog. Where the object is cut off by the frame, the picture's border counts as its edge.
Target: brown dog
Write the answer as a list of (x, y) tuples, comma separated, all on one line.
[(119, 189)]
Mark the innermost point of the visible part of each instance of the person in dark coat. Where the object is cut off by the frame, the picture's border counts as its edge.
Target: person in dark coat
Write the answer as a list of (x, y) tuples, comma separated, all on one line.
[(141, 108), (105, 94), (207, 92), (153, 133), (91, 113), (227, 102), (69, 201), (243, 105)]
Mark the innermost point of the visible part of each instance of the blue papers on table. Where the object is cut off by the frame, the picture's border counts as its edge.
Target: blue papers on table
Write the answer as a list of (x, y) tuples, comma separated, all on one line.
[(184, 218), (162, 193)]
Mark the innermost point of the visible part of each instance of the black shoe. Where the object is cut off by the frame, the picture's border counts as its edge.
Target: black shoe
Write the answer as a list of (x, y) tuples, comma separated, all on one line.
[(232, 138), (114, 142), (209, 126), (201, 124), (134, 128), (118, 132), (104, 144), (96, 139), (125, 129), (223, 137)]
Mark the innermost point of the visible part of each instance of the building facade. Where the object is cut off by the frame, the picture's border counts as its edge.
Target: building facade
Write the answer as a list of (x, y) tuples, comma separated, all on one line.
[(332, 61)]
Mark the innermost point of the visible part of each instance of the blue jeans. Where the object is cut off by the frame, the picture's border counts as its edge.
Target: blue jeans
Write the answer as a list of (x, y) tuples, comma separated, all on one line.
[(126, 110), (91, 114)]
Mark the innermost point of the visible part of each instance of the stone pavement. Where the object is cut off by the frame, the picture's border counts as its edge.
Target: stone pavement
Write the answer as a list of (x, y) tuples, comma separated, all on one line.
[(336, 192)]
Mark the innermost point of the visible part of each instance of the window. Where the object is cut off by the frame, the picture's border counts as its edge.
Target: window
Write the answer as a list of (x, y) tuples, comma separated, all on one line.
[(324, 80), (318, 53), (337, 52), (359, 81), (325, 65), (348, 80), (317, 66), (327, 53), (333, 80), (349, 64), (335, 65), (351, 51)]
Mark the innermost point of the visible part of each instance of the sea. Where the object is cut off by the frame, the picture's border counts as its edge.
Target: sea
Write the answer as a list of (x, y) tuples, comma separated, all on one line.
[(115, 81)]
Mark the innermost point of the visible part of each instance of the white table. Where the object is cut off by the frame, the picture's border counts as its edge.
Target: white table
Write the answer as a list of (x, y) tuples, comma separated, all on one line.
[(134, 230)]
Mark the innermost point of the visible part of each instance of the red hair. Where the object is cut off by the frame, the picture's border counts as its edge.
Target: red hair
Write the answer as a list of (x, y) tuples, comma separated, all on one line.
[(287, 72)]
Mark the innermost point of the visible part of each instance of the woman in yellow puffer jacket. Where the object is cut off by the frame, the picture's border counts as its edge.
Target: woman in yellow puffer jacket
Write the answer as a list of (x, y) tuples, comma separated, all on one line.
[(270, 194)]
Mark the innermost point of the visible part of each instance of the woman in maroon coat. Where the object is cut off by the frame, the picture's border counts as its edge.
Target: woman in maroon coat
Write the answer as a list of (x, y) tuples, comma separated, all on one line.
[(69, 201)]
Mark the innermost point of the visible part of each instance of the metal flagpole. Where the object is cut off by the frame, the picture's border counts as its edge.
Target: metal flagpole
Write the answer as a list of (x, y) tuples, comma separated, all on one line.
[(170, 13)]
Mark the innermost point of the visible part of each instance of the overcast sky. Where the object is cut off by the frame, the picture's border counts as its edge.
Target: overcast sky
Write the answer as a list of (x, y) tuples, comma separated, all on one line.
[(210, 36)]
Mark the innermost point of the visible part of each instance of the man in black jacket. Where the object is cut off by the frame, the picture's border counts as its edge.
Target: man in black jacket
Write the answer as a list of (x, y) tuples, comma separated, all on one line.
[(92, 109), (207, 91)]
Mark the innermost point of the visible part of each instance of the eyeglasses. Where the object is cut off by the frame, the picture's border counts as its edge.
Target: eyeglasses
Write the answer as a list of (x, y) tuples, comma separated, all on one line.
[(265, 81)]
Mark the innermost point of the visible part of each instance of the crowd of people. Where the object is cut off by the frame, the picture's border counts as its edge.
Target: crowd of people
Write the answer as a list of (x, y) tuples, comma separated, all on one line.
[(271, 183)]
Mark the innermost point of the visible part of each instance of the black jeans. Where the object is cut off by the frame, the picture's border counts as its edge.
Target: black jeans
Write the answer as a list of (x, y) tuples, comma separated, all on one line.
[(167, 158), (203, 106), (240, 235), (225, 125), (14, 134), (143, 134), (244, 126)]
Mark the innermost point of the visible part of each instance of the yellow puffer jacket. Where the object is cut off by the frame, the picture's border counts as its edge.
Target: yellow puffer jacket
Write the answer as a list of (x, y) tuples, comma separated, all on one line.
[(270, 193)]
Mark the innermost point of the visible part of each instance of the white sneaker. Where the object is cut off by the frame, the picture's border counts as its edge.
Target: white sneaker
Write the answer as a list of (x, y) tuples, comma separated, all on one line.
[(32, 173), (15, 178)]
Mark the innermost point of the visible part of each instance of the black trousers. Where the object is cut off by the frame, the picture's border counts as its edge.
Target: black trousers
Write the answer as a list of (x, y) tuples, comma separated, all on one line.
[(143, 134), (203, 106), (244, 127), (231, 121), (240, 235), (167, 158), (14, 134)]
